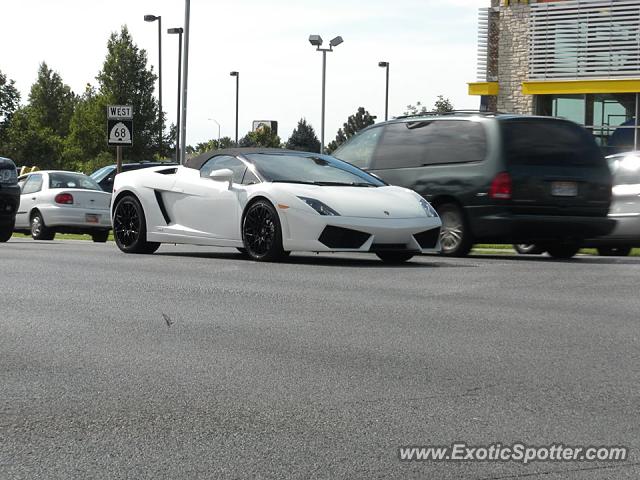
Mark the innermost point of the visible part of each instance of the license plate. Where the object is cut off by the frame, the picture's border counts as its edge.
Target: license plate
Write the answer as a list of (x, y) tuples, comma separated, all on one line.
[(564, 189), (91, 218)]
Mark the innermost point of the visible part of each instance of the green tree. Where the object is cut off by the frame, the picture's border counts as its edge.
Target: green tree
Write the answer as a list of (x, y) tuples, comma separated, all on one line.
[(87, 133), (51, 101), (361, 119), (304, 138), (9, 103), (262, 137), (35, 135), (213, 144), (441, 105), (125, 80)]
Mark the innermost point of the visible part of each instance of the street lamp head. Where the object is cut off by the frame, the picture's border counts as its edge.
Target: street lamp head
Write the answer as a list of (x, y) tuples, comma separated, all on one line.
[(175, 30), (234, 74), (383, 64), (150, 18), (336, 41), (315, 40)]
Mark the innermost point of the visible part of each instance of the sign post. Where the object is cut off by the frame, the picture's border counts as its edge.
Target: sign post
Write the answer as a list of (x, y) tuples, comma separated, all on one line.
[(119, 130)]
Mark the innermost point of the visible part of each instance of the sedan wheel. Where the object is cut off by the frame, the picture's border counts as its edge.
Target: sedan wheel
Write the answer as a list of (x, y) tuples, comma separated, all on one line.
[(129, 227), (261, 232), (39, 231), (455, 238), (614, 251)]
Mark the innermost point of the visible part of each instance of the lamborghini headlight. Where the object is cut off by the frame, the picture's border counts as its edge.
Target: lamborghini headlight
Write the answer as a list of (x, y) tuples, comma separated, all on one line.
[(428, 209), (319, 207)]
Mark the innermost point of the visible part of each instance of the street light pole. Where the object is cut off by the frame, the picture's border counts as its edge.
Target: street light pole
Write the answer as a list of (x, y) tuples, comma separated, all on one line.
[(216, 122), (237, 75), (153, 18), (316, 41), (185, 70), (179, 31), (386, 98)]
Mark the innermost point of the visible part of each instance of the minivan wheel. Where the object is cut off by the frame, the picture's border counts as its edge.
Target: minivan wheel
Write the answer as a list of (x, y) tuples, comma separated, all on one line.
[(563, 251), (528, 249), (614, 251), (455, 237), (6, 232)]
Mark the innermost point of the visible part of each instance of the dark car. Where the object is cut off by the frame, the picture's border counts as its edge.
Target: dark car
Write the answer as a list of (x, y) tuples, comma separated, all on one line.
[(495, 178), (9, 198), (105, 175)]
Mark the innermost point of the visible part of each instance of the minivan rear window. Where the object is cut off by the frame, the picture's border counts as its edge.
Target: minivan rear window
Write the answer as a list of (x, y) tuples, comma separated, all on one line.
[(546, 141), (430, 142)]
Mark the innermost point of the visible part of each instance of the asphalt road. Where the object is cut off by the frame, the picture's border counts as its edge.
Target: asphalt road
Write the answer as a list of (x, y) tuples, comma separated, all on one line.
[(316, 368)]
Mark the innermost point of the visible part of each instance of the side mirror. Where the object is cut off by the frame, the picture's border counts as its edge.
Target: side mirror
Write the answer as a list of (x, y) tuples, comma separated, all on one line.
[(223, 175)]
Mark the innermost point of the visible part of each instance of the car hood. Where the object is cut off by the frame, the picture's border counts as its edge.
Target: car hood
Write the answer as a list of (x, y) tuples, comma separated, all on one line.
[(364, 202)]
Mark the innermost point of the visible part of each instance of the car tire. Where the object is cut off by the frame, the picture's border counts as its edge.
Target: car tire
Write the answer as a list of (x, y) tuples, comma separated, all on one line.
[(614, 251), (39, 230), (394, 257), (130, 227), (563, 251), (262, 233), (6, 232), (455, 237), (100, 237), (528, 249)]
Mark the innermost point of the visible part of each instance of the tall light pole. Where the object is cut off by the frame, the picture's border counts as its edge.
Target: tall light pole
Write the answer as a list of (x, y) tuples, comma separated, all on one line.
[(316, 41), (237, 75), (185, 73), (386, 97), (153, 18), (216, 122), (178, 31)]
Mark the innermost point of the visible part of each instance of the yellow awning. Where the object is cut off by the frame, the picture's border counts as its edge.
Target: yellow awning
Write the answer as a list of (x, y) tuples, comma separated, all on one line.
[(626, 85), (483, 88)]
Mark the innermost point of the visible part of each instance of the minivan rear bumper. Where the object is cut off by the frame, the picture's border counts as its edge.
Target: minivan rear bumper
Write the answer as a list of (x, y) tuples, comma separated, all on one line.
[(505, 227)]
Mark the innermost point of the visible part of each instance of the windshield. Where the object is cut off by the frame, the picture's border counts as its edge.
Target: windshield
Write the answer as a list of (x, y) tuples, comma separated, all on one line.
[(72, 180), (309, 168), (99, 175)]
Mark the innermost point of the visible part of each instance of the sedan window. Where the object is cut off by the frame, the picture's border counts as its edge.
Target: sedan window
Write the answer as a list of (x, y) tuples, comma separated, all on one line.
[(33, 184), (72, 180)]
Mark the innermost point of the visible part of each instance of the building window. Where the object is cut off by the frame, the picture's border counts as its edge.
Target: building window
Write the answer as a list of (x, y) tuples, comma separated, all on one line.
[(611, 118)]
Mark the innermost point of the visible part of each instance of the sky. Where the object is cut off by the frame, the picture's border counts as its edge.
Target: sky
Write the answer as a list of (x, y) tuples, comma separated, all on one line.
[(430, 44)]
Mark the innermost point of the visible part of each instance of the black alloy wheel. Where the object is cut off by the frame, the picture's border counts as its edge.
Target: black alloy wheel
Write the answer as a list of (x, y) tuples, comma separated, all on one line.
[(261, 232), (129, 227)]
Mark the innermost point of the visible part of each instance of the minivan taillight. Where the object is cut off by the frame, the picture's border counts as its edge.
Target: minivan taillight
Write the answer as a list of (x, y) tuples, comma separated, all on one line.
[(501, 187), (64, 198)]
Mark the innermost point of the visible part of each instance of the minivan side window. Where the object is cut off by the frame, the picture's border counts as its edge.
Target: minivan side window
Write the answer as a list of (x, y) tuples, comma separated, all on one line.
[(430, 142), (359, 149)]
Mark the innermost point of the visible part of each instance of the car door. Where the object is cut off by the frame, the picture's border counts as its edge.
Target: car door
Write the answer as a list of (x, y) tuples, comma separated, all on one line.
[(208, 208), (28, 198)]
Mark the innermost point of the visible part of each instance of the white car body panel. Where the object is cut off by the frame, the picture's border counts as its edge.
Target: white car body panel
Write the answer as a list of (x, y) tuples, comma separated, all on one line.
[(203, 211), (85, 202)]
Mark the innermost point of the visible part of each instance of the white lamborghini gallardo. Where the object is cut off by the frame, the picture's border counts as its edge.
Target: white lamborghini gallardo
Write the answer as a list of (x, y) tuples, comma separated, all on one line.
[(268, 203)]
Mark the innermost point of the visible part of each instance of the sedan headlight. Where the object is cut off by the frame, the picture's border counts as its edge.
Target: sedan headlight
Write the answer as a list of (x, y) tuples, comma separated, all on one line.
[(319, 207), (428, 209)]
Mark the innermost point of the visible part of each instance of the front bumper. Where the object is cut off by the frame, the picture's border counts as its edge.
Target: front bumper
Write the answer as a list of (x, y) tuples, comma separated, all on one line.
[(504, 227), (303, 231), (74, 217)]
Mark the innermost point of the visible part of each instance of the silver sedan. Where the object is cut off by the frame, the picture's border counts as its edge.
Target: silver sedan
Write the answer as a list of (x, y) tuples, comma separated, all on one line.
[(65, 202)]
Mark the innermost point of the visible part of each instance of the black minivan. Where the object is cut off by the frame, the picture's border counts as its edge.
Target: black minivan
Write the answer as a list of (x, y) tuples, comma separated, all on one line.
[(495, 178)]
